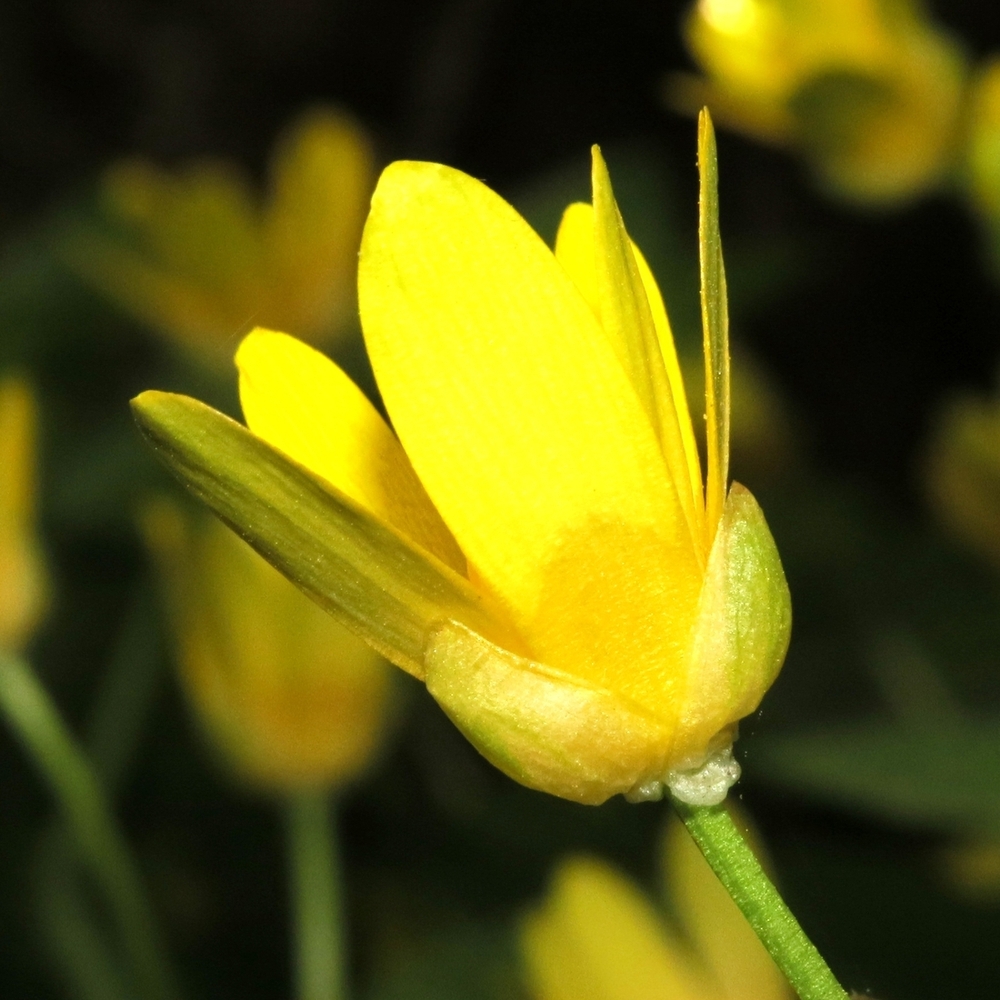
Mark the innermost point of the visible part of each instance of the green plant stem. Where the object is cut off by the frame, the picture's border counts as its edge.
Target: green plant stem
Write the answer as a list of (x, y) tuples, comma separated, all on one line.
[(36, 722), (316, 897), (89, 967), (84, 957), (730, 857)]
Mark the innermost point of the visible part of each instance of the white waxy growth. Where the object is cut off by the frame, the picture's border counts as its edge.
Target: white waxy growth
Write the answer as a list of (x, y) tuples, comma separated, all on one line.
[(709, 784), (705, 785)]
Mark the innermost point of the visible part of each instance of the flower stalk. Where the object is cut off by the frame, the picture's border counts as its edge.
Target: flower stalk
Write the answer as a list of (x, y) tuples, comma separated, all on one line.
[(316, 897), (34, 719), (732, 860)]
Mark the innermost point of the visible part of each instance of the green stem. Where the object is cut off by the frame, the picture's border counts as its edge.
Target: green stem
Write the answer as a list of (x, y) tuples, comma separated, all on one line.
[(316, 897), (87, 965), (36, 722), (86, 960), (738, 870)]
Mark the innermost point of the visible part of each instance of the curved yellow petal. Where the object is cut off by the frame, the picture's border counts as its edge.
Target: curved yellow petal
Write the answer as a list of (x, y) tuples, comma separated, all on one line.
[(628, 320), (724, 940), (300, 402), (575, 251), (597, 937), (668, 351), (526, 432)]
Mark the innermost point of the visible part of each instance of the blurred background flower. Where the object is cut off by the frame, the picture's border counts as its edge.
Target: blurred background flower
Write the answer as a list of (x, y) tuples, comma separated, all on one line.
[(597, 936), (869, 92), (963, 472), (24, 586), (199, 256), (982, 156), (291, 698)]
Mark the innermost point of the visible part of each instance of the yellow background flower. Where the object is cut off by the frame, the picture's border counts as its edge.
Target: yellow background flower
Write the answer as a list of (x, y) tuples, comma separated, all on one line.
[(291, 698), (24, 587), (597, 937), (871, 92), (201, 258), (962, 470)]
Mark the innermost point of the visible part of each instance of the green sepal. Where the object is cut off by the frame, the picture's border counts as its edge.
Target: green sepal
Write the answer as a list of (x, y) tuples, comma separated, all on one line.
[(541, 726), (714, 322), (743, 626), (379, 584)]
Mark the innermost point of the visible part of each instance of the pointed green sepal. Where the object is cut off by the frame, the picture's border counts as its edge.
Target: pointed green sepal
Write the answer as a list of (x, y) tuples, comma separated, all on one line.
[(378, 583), (715, 323)]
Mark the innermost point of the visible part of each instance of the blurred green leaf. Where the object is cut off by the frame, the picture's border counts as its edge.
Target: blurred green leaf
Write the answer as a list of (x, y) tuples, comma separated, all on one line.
[(474, 961), (943, 774)]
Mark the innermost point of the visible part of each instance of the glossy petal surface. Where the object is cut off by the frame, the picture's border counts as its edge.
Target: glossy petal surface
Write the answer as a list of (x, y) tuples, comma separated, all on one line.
[(526, 431)]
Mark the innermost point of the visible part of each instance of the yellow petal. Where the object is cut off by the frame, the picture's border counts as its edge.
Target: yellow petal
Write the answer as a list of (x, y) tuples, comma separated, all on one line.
[(720, 933), (597, 937), (668, 351), (300, 402), (525, 430), (575, 251), (628, 320)]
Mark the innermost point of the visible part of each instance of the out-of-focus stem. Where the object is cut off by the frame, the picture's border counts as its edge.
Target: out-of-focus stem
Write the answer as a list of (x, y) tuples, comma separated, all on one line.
[(36, 722), (316, 897)]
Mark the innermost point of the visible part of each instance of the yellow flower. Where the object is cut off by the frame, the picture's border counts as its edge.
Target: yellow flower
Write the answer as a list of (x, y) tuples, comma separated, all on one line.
[(597, 937), (292, 699), (23, 580), (199, 257), (537, 544), (870, 92), (962, 472)]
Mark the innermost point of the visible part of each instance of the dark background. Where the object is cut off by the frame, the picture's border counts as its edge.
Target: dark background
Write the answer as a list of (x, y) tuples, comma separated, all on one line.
[(864, 322)]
